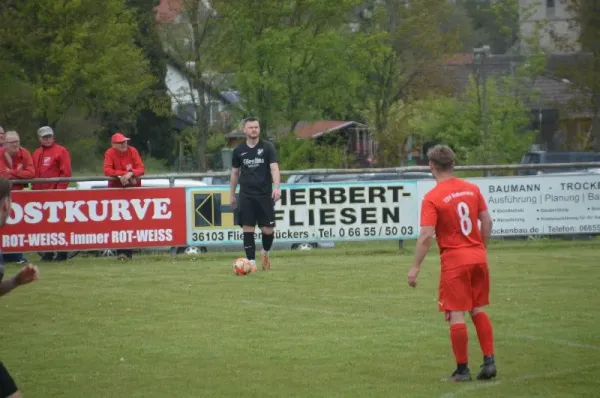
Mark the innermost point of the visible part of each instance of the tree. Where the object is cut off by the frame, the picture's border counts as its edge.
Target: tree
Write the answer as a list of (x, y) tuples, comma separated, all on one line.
[(457, 122), (583, 70), (495, 23), (393, 140), (74, 53), (303, 154), (406, 50), (152, 120), (292, 59), (191, 46)]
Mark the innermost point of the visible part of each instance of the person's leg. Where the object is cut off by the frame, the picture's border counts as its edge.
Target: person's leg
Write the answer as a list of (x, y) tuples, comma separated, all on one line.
[(18, 258), (247, 220), (485, 333), (47, 256), (8, 387), (266, 222), (124, 254), (62, 256), (454, 300)]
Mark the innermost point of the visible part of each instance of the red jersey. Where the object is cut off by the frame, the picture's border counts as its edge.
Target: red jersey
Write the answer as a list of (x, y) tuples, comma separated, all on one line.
[(52, 161), (453, 208), (118, 163), (19, 166)]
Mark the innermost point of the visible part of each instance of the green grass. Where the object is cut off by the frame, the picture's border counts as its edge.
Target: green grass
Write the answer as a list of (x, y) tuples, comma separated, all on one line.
[(329, 323)]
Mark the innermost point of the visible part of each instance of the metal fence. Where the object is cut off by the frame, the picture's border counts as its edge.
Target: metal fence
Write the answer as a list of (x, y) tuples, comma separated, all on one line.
[(174, 176)]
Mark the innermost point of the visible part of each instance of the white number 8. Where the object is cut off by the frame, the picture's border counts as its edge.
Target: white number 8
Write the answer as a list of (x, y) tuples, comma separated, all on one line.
[(466, 226)]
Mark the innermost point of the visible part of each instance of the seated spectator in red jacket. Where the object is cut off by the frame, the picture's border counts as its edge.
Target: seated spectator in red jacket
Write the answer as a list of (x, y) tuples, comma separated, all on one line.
[(51, 160), (16, 162), (124, 162)]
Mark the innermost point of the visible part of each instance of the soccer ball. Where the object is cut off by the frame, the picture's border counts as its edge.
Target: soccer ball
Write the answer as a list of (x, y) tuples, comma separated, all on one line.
[(243, 266)]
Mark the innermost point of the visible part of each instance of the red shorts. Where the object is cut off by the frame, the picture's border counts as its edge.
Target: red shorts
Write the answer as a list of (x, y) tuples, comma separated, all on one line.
[(464, 288)]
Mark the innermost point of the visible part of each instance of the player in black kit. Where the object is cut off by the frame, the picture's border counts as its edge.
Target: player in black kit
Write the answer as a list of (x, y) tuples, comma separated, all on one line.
[(256, 168), (27, 274)]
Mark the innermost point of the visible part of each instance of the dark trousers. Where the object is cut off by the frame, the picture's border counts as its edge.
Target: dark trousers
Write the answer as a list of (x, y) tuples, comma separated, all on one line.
[(127, 253)]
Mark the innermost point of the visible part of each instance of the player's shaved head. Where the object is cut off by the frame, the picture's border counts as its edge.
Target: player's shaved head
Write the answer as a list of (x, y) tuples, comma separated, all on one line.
[(442, 157), (248, 120)]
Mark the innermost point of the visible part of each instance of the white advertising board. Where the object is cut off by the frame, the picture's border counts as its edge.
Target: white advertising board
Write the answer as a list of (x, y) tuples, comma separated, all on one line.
[(312, 213), (539, 205)]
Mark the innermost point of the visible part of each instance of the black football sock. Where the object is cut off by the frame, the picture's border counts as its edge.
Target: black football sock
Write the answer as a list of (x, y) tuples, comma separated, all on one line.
[(249, 245), (267, 241)]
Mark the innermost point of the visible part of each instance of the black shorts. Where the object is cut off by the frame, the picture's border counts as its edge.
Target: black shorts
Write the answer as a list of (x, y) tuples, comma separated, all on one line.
[(7, 384), (256, 210)]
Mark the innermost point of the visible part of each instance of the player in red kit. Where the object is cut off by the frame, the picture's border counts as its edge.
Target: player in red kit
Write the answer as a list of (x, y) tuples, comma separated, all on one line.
[(451, 211)]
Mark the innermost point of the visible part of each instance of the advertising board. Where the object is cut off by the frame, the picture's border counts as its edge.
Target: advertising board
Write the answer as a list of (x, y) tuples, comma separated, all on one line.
[(73, 220), (311, 213), (539, 205)]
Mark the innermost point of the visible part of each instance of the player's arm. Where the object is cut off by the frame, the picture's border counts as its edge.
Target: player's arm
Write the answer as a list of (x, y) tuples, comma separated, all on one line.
[(424, 240), (486, 226), (233, 180), (27, 274), (486, 220), (276, 176), (236, 163), (7, 285)]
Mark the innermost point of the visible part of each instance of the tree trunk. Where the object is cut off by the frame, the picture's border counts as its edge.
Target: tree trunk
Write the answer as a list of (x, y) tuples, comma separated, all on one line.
[(202, 132)]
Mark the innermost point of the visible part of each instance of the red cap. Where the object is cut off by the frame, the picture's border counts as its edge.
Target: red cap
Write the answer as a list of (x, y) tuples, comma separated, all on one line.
[(118, 137)]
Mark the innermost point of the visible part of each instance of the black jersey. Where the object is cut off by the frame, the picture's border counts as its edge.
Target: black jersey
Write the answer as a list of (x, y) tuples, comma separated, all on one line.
[(255, 168)]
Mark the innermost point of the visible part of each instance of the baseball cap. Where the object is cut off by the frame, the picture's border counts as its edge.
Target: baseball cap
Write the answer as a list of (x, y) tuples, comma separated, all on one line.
[(44, 131), (118, 138)]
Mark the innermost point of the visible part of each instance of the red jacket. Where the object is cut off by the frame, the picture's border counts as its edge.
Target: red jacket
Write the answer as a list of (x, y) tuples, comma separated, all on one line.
[(52, 161), (16, 167), (118, 163)]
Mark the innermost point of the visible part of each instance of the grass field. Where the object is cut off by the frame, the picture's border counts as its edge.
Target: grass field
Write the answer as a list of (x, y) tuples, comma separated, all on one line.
[(329, 323)]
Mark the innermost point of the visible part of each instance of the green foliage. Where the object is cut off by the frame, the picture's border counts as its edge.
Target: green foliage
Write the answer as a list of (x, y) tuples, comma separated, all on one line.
[(216, 142), (495, 23), (406, 46), (299, 154), (584, 71), (458, 122), (81, 160), (151, 117), (392, 140), (191, 47), (293, 59), (74, 52)]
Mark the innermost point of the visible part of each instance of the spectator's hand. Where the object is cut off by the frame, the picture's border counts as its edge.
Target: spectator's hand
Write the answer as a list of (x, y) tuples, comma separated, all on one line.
[(124, 179), (27, 274)]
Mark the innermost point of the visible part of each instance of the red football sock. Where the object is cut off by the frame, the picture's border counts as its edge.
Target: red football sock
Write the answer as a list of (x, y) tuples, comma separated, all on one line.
[(460, 342), (484, 333)]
